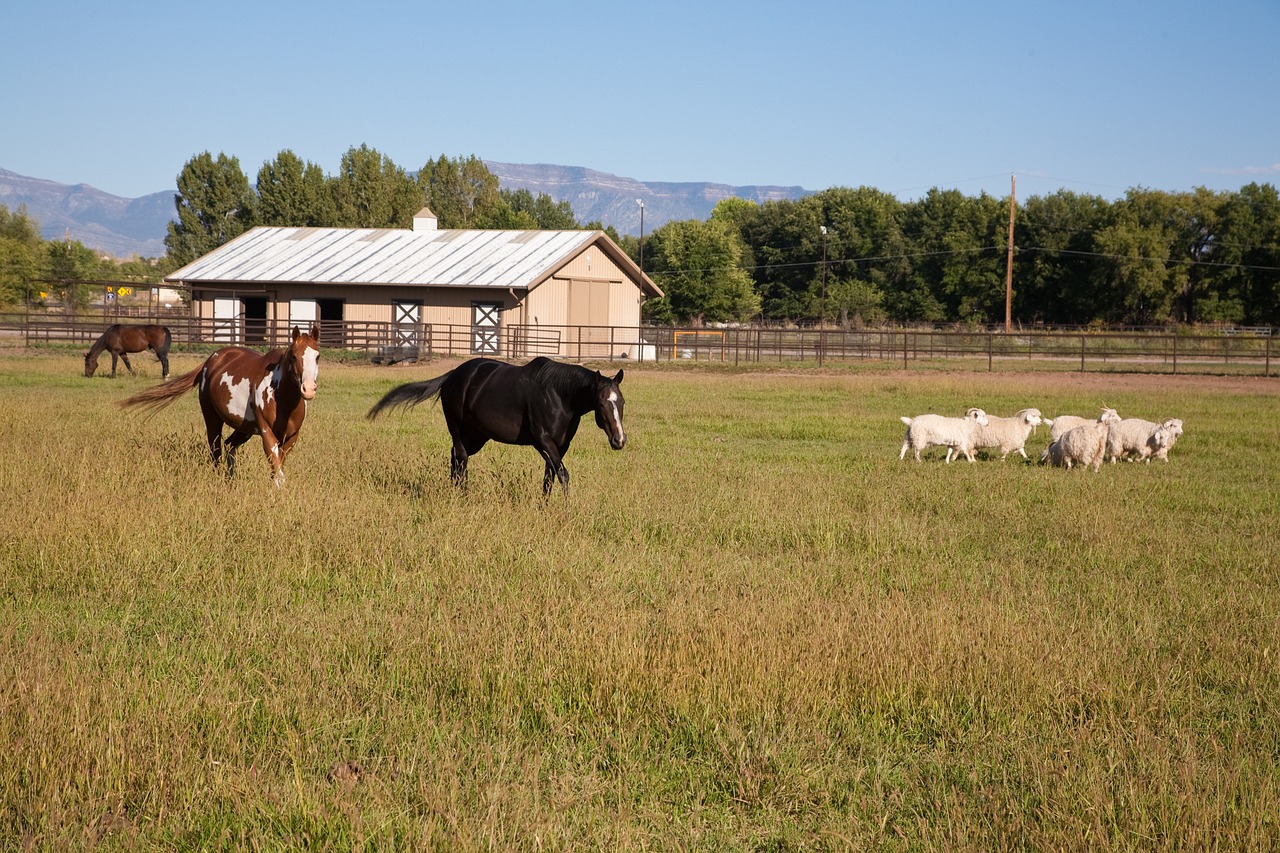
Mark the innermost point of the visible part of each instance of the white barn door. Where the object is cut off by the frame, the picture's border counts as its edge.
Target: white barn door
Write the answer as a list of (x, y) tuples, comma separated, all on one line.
[(226, 319), (302, 313)]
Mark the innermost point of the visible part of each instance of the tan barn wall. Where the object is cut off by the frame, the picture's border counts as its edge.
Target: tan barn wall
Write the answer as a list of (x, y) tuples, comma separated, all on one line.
[(450, 306)]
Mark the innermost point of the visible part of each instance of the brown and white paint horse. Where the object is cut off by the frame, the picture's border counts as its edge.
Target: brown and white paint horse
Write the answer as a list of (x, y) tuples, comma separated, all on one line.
[(120, 340), (251, 392)]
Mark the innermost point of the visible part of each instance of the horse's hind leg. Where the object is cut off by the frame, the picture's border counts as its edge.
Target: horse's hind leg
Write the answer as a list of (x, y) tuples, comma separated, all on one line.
[(458, 464), (213, 432), (232, 443), (464, 447), (163, 355)]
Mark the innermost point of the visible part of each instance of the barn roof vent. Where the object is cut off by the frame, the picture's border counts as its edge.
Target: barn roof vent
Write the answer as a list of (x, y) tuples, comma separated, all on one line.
[(425, 220)]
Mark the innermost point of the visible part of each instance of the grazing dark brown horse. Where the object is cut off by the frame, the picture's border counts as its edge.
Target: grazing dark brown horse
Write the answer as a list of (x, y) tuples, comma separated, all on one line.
[(251, 392), (121, 340), (536, 404)]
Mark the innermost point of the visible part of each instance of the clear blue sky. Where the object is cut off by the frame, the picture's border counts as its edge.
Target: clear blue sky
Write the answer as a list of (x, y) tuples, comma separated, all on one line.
[(900, 95)]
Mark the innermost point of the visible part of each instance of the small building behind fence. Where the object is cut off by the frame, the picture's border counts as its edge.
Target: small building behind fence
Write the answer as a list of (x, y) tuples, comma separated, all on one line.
[(516, 293)]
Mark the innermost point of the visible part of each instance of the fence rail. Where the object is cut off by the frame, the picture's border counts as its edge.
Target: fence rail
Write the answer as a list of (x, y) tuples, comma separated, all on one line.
[(1236, 351)]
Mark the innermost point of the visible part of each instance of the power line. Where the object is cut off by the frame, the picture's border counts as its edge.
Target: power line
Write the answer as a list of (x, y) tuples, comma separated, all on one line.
[(907, 256)]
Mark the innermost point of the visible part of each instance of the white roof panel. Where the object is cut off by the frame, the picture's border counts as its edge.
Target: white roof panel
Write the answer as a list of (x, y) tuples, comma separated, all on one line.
[(441, 258)]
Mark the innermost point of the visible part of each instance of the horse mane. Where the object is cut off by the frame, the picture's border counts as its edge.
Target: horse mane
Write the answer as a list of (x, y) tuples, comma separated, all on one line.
[(566, 379), (101, 343)]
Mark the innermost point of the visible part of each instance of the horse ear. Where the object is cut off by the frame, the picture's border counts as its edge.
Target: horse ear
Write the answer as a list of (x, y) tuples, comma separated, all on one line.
[(315, 331), (296, 333), (617, 380)]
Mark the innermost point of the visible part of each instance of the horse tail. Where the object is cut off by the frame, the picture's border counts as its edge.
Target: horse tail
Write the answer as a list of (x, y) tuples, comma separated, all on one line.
[(410, 394), (154, 399), (168, 337)]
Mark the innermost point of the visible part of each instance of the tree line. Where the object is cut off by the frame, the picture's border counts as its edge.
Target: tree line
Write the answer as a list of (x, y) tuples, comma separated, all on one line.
[(216, 202), (843, 255), (840, 256), (33, 269), (850, 256)]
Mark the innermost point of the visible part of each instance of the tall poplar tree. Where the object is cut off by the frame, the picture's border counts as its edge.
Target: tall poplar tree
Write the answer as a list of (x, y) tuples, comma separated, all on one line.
[(293, 193), (214, 203), (371, 191), (461, 193)]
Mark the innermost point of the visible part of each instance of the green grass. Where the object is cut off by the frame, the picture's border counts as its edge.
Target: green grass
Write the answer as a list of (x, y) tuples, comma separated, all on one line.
[(754, 628)]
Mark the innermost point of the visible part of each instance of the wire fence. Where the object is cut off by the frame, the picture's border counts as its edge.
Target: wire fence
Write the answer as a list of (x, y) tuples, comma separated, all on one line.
[(1238, 351)]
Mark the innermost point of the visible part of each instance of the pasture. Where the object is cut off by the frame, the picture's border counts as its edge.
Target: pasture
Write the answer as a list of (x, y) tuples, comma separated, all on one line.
[(753, 628)]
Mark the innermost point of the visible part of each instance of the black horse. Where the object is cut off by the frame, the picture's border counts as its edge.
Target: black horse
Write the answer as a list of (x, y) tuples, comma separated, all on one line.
[(537, 404)]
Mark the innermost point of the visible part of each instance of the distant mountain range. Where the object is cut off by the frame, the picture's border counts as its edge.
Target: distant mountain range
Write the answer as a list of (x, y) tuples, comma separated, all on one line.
[(611, 200), (125, 227)]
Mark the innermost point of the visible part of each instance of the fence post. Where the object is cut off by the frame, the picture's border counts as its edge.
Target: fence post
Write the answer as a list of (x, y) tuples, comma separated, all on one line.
[(904, 350), (991, 339), (1266, 371), (1082, 353), (1175, 353)]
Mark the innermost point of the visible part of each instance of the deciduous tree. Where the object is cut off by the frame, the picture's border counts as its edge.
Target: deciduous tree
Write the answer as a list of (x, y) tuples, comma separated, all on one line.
[(697, 265), (295, 194), (462, 193), (214, 205), (371, 191)]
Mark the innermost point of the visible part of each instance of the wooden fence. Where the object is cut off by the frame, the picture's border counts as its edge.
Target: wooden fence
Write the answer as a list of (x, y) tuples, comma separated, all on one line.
[(1227, 351)]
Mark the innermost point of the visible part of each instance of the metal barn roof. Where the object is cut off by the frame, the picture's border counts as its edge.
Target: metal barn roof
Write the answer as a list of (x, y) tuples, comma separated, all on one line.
[(437, 258)]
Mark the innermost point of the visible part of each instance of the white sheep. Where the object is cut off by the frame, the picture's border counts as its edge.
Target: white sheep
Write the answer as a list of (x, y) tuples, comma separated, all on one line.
[(1142, 438), (1009, 434), (956, 434), (1084, 445), (1166, 441), (1063, 424)]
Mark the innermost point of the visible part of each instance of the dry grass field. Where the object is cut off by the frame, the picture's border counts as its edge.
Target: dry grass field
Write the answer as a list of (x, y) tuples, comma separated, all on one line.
[(754, 628)]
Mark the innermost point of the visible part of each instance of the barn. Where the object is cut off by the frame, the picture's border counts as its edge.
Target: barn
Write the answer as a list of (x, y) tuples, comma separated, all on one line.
[(400, 292)]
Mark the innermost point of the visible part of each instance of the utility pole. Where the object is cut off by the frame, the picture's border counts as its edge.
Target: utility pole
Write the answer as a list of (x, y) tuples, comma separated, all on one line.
[(822, 308), (640, 202), (1008, 273)]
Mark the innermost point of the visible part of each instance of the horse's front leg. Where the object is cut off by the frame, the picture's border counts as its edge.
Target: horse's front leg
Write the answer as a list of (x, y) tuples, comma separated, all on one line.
[(275, 451), (114, 361), (555, 471), (124, 356)]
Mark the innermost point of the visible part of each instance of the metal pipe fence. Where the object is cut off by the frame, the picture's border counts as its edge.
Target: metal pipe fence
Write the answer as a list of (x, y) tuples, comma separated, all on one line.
[(1234, 351)]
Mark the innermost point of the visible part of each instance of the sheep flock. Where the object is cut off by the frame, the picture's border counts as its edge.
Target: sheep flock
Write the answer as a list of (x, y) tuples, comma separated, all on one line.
[(1074, 440)]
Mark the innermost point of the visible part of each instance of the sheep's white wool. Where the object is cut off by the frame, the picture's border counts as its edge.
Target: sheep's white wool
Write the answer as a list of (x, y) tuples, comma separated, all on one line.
[(1084, 445), (1063, 424), (956, 434), (1142, 439), (1009, 434)]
